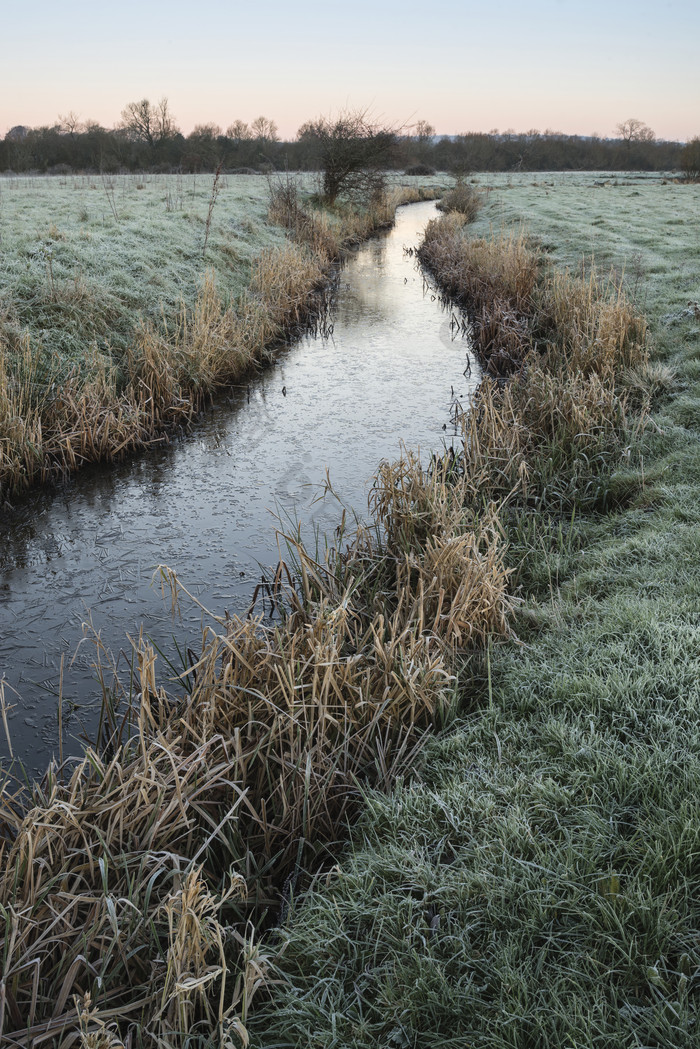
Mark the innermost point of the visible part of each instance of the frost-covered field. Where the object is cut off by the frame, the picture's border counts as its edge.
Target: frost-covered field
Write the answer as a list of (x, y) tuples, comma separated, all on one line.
[(641, 224), (84, 258), (126, 301), (536, 883)]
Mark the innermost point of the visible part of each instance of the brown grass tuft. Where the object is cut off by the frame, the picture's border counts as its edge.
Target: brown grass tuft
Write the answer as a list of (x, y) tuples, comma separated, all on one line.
[(568, 350), (590, 326), (494, 280), (464, 199)]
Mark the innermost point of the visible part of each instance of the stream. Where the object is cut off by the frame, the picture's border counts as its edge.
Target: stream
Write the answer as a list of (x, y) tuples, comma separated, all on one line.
[(78, 561)]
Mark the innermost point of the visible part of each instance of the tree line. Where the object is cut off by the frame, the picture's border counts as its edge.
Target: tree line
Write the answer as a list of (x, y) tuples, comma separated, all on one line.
[(148, 139)]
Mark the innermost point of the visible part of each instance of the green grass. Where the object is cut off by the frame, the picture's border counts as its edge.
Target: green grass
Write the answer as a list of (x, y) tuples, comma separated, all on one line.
[(537, 882)]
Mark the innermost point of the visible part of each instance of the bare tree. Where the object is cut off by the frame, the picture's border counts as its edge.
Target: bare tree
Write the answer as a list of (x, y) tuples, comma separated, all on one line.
[(352, 151), (147, 123), (205, 131), (690, 159), (264, 130), (424, 131), (633, 130), (238, 131), (421, 140), (70, 124), (165, 121), (139, 122)]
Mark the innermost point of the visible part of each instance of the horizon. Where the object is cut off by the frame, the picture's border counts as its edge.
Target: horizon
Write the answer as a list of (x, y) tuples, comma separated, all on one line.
[(406, 131), (558, 64)]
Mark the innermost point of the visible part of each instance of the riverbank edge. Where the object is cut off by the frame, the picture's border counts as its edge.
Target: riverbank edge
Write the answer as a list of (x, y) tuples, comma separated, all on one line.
[(95, 788)]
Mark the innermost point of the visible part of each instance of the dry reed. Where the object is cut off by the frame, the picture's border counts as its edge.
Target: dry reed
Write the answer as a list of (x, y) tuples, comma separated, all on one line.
[(494, 280), (127, 883), (464, 199), (563, 350)]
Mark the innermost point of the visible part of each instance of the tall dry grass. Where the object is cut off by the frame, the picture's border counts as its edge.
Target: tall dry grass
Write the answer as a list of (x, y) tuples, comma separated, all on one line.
[(564, 351), (464, 199), (55, 424), (128, 881), (589, 326), (306, 226), (330, 233), (21, 440), (494, 280), (99, 876)]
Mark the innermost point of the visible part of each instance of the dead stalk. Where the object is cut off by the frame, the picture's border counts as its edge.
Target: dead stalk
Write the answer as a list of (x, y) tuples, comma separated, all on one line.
[(215, 188)]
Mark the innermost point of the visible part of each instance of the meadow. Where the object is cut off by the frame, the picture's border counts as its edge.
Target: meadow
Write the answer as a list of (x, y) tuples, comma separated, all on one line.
[(527, 876)]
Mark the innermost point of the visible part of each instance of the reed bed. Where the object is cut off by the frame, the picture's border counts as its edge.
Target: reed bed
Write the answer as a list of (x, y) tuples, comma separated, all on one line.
[(129, 877), (590, 326), (536, 882), (357, 224), (98, 889), (129, 880), (54, 424), (463, 198), (329, 232), (560, 353), (494, 280)]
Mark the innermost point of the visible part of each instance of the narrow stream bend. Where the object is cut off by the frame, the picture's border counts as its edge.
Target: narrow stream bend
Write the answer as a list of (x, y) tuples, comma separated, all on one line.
[(388, 372)]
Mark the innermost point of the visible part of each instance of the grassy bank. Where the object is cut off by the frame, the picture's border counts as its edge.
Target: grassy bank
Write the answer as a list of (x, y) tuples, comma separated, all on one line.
[(536, 883), (128, 301)]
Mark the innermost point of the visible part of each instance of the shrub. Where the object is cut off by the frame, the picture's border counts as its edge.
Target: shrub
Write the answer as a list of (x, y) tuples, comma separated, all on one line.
[(690, 159), (420, 169), (463, 198)]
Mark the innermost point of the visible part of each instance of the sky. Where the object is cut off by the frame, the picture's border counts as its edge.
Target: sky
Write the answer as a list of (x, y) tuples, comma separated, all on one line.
[(572, 66)]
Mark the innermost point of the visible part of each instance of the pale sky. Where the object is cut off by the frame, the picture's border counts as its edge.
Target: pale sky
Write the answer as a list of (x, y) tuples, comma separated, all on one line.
[(579, 67)]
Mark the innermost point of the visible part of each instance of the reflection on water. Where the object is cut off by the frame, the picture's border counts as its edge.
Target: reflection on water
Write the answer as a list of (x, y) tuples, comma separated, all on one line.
[(388, 373)]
